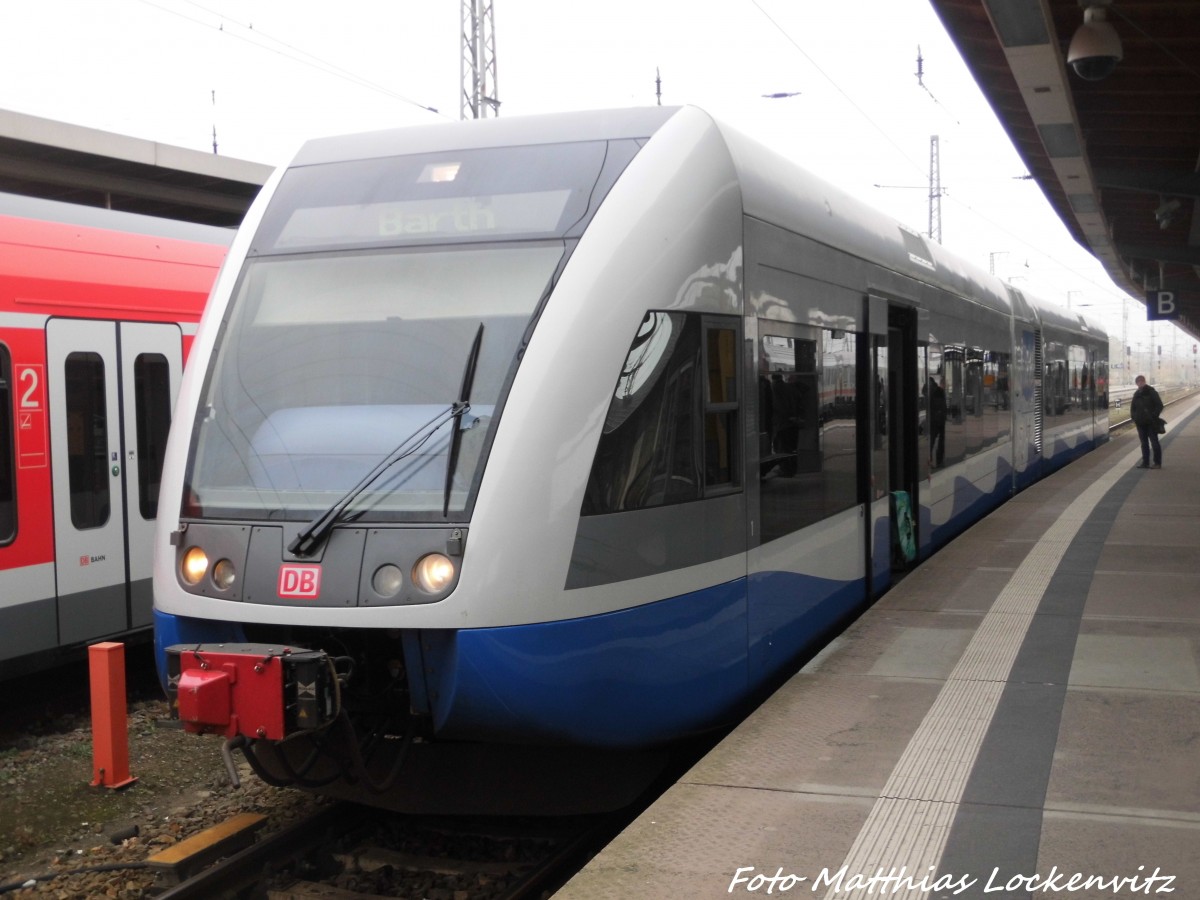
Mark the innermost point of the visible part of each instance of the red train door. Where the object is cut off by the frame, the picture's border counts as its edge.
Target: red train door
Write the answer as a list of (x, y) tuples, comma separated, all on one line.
[(111, 389)]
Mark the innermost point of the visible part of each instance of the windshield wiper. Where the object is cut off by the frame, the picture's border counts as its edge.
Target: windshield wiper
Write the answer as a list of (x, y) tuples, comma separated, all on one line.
[(464, 396), (307, 540)]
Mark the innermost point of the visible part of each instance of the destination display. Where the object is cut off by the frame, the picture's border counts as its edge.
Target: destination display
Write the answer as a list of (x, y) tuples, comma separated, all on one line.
[(528, 212)]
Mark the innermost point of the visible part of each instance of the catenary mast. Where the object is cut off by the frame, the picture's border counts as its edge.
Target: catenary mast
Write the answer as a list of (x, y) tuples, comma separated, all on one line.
[(480, 97)]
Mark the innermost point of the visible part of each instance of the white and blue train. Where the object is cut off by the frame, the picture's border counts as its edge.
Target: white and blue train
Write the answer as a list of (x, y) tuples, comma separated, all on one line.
[(520, 438)]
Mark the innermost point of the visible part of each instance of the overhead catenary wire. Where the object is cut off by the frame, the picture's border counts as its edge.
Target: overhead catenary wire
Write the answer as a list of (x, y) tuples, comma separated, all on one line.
[(883, 131), (247, 33)]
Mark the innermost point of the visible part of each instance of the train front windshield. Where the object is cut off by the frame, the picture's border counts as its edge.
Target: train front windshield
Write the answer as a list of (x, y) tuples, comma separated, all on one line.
[(374, 292)]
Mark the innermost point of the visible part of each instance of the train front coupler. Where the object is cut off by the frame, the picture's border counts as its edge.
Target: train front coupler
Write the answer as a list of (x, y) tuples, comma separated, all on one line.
[(256, 691)]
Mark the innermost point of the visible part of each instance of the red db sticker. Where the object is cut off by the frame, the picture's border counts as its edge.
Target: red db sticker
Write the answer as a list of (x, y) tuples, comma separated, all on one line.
[(299, 582)]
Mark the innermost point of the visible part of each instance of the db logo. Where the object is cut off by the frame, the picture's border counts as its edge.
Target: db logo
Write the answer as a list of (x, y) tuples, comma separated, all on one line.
[(299, 582)]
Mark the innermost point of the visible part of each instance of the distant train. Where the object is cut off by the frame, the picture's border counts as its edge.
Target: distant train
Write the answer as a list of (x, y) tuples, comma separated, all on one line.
[(510, 447), (97, 309)]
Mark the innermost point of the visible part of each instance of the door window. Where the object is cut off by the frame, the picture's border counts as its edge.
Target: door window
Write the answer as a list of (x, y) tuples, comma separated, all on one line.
[(152, 401), (87, 440), (880, 434)]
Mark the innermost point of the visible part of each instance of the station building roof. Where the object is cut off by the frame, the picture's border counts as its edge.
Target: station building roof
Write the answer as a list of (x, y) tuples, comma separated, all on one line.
[(43, 158)]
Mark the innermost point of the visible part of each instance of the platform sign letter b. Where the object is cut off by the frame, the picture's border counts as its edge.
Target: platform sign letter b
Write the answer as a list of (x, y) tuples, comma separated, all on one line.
[(1161, 305)]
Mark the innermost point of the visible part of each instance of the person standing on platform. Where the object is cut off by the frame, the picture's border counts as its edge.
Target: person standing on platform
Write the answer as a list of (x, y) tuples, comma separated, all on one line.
[(1144, 409)]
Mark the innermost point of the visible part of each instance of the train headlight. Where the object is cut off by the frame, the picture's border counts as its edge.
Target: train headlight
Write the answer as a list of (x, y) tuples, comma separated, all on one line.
[(433, 573), (224, 574), (387, 580), (193, 566)]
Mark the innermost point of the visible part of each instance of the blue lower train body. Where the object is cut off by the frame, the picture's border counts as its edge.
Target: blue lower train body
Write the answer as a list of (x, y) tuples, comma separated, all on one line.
[(638, 677)]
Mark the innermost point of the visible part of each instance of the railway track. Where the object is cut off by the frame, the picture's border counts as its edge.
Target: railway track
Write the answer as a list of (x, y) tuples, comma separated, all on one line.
[(346, 851)]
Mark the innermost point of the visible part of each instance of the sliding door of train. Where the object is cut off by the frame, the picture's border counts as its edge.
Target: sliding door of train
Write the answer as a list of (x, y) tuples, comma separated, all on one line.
[(111, 390), (891, 436)]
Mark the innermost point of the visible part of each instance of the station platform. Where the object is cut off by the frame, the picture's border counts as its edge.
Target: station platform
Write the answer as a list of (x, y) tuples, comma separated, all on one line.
[(1018, 718)]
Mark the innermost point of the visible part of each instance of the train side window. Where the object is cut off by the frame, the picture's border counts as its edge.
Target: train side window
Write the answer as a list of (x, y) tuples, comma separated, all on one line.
[(952, 382), (87, 440), (720, 406), (807, 425), (973, 411), (647, 454), (1078, 378), (996, 398), (8, 485), (671, 434), (152, 401)]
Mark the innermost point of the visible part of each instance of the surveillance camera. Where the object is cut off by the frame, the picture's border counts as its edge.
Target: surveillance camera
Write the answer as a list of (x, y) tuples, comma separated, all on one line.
[(1096, 47), (1164, 215)]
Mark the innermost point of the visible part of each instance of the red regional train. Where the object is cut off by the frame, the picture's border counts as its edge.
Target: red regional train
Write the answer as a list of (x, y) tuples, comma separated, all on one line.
[(97, 312)]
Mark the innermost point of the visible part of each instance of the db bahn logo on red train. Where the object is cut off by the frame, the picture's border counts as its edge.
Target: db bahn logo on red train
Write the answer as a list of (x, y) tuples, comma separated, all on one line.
[(299, 582)]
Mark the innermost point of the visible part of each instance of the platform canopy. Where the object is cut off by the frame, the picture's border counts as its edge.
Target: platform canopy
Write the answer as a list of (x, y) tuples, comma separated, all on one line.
[(1117, 156)]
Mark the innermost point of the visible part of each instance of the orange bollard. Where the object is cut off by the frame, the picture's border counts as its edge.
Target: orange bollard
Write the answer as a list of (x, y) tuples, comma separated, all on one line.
[(110, 728)]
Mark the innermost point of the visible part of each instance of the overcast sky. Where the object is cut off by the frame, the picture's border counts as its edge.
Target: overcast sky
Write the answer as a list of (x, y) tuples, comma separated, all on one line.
[(284, 70)]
